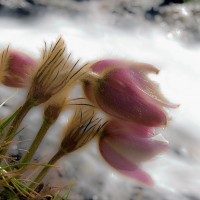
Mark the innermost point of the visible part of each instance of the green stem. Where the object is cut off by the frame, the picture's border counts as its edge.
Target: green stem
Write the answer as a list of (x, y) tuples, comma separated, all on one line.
[(15, 125), (43, 173), (38, 139), (7, 121)]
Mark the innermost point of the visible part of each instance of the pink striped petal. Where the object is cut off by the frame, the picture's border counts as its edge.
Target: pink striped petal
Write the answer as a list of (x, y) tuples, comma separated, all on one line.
[(102, 65), (151, 89), (133, 128), (21, 64), (135, 149), (20, 69), (123, 165)]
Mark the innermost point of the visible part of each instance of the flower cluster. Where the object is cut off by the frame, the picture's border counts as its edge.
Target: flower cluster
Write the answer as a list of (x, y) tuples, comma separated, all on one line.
[(132, 102), (135, 105)]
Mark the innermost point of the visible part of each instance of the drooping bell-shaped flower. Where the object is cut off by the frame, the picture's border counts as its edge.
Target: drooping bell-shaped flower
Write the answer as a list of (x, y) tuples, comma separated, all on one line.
[(124, 91), (126, 152), (16, 68)]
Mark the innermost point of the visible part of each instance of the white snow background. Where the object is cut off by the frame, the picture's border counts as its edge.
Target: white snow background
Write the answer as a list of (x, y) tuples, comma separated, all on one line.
[(177, 172)]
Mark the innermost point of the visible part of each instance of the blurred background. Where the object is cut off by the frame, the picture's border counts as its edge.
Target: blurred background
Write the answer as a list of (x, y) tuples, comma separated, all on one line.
[(165, 33)]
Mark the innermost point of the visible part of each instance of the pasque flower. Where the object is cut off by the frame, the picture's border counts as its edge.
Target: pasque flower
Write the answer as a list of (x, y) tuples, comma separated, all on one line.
[(16, 68), (125, 151), (123, 90)]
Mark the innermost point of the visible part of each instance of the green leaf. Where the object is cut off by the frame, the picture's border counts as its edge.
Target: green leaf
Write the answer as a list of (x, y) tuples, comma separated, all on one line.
[(7, 121), (66, 195)]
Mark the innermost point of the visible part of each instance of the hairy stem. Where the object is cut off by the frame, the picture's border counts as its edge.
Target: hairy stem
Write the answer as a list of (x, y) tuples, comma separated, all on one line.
[(38, 139), (43, 173)]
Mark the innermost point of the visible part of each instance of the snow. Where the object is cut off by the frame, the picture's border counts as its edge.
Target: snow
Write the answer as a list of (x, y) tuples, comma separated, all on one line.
[(176, 173)]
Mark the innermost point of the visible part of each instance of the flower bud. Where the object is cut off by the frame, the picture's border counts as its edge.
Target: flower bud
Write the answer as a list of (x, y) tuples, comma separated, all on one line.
[(56, 73), (83, 127), (16, 68), (54, 107), (124, 91)]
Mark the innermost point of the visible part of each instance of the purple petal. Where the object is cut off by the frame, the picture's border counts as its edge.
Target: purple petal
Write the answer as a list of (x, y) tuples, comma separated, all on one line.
[(123, 165), (20, 69), (151, 89), (133, 128), (102, 65), (135, 149), (21, 64)]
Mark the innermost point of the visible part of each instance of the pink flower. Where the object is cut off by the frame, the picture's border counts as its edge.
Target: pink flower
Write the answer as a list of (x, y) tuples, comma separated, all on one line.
[(125, 151), (16, 68), (124, 91)]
